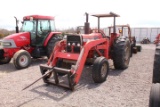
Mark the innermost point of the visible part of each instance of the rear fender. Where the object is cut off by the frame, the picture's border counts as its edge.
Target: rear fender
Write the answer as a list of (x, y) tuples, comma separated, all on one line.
[(49, 37), (113, 37)]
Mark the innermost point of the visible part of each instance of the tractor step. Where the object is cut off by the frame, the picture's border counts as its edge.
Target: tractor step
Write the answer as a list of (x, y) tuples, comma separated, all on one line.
[(56, 71)]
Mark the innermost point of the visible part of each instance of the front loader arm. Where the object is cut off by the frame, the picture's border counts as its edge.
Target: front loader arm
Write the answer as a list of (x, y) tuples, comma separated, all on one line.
[(77, 69)]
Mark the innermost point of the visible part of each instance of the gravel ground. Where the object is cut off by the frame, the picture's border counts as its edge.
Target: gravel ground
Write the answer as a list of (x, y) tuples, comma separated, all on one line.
[(128, 88)]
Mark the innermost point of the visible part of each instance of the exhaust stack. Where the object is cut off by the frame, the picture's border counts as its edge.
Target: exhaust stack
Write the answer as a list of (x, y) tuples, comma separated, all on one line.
[(17, 28), (87, 25)]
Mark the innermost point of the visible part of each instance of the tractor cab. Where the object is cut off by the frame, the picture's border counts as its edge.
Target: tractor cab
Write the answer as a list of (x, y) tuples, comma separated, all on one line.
[(39, 28)]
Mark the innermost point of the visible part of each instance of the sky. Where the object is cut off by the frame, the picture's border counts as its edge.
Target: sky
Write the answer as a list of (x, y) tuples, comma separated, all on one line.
[(71, 13)]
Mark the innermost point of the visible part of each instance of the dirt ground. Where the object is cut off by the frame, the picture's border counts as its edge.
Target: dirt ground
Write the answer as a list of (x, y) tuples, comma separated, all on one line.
[(127, 88)]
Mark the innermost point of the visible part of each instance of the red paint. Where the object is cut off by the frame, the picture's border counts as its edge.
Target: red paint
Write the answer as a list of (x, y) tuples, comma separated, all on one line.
[(157, 39), (20, 39), (50, 36), (38, 17)]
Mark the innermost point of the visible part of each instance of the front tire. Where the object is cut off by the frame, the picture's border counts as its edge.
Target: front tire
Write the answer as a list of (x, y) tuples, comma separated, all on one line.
[(100, 70), (22, 59), (156, 65), (154, 99), (122, 53)]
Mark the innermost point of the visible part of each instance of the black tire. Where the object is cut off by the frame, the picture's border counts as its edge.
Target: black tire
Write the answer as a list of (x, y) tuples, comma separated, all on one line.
[(135, 50), (100, 70), (156, 66), (5, 60), (51, 44), (154, 99), (121, 53), (139, 48), (133, 41), (131, 51), (22, 59)]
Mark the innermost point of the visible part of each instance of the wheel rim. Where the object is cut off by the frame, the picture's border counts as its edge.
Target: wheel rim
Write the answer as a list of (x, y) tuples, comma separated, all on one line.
[(104, 70), (23, 60), (127, 56)]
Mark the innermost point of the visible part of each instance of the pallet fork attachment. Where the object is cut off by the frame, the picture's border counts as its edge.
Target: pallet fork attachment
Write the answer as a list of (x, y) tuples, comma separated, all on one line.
[(55, 71), (47, 71)]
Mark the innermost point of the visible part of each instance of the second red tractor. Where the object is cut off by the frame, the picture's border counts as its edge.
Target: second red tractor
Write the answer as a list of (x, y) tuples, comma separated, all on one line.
[(36, 39)]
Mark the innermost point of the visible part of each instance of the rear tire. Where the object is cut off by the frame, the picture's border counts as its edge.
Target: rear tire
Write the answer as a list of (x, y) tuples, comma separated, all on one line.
[(22, 59), (100, 70), (51, 44), (154, 99), (122, 53), (156, 65)]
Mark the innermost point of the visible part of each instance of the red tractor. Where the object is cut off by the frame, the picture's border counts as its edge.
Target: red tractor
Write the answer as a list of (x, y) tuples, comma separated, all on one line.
[(36, 39), (72, 53)]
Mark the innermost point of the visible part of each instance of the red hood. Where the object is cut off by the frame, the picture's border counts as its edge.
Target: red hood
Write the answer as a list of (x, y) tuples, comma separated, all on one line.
[(18, 35), (92, 36), (20, 39)]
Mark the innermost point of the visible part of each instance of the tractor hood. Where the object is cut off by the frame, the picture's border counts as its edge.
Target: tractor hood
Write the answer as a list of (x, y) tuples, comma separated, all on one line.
[(19, 39), (92, 36)]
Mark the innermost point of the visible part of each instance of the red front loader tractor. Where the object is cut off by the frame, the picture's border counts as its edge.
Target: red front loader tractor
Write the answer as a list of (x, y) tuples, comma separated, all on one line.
[(36, 39), (72, 53)]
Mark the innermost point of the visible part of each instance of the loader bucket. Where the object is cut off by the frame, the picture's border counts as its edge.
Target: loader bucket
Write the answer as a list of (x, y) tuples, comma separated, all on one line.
[(55, 80)]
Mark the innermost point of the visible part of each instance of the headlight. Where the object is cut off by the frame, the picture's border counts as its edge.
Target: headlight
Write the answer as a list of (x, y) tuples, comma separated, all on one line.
[(69, 44), (78, 44), (6, 44), (73, 44)]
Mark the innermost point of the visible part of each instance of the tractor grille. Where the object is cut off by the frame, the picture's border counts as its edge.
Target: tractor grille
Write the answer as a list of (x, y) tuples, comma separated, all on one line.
[(1, 53), (74, 43)]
